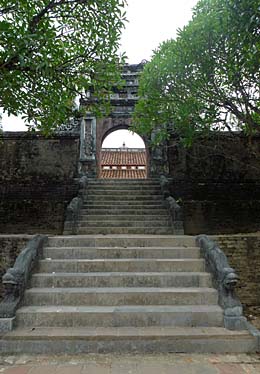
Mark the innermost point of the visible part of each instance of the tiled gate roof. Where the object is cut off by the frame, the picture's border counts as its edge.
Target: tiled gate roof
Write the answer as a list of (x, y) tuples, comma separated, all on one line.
[(125, 158), (123, 174), (123, 163)]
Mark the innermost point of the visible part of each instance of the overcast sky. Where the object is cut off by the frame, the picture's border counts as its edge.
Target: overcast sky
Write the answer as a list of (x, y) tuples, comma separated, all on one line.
[(149, 23)]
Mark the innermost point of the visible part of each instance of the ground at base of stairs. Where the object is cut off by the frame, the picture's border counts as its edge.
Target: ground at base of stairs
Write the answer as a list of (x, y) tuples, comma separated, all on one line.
[(134, 364)]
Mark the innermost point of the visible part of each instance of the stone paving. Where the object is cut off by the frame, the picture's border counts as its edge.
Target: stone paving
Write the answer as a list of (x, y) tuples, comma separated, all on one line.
[(132, 364)]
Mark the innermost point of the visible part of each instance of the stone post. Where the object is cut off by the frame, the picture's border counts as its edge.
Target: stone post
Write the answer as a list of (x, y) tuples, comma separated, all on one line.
[(88, 162)]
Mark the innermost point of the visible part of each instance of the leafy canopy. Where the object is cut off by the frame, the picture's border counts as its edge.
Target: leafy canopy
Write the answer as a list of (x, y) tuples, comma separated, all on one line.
[(53, 50), (206, 79)]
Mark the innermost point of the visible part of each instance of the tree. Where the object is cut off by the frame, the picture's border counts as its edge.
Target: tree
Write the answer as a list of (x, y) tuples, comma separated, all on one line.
[(54, 50), (208, 78)]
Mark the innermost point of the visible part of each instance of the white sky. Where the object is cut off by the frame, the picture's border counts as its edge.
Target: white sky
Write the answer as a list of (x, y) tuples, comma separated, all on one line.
[(150, 23), (117, 138)]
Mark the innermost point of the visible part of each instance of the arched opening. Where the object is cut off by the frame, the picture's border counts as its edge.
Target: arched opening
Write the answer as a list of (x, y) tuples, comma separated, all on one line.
[(123, 155)]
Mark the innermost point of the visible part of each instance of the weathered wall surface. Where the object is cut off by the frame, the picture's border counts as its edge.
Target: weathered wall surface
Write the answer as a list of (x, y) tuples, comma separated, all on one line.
[(218, 181), (10, 247), (243, 252), (36, 181)]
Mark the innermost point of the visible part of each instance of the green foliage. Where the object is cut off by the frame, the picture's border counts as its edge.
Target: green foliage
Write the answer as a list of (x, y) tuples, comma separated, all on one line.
[(208, 78), (53, 50)]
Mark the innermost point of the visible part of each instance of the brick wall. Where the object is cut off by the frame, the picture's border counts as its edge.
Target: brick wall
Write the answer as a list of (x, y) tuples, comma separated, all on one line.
[(243, 252), (37, 181), (218, 182)]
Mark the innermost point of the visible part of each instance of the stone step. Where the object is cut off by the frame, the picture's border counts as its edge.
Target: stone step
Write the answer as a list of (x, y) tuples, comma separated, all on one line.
[(124, 198), (116, 316), (112, 210), (127, 204), (121, 218), (159, 222), (125, 230), (122, 241), (125, 192), (127, 340), (121, 265), (154, 187), (119, 252), (127, 196), (120, 296), (131, 188), (124, 204), (121, 208), (122, 279)]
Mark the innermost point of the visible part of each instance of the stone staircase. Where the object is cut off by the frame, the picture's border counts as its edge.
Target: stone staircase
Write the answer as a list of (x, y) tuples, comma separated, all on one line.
[(124, 207), (122, 293)]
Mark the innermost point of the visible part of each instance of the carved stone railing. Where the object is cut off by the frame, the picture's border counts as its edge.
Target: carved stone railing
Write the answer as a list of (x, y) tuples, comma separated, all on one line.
[(71, 225), (172, 205), (225, 281), (15, 280)]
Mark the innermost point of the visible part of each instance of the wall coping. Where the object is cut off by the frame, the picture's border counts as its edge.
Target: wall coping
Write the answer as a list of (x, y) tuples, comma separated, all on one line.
[(6, 135)]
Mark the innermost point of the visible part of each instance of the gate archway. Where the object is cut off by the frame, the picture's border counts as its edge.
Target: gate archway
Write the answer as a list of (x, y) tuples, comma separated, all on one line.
[(123, 156), (95, 130)]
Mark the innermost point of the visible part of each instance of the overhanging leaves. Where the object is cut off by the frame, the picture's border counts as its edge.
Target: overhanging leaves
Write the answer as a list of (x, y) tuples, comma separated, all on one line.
[(53, 50), (208, 78)]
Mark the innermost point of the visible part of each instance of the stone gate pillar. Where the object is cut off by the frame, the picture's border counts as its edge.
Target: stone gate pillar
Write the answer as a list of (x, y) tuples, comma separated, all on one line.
[(159, 164), (88, 162)]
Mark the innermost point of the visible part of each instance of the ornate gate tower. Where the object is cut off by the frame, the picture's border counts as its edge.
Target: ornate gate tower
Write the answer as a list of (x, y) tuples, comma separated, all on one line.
[(94, 130)]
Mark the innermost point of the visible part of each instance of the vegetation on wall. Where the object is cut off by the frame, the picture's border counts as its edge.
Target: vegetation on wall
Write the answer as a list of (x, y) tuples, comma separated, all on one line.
[(206, 79), (53, 50)]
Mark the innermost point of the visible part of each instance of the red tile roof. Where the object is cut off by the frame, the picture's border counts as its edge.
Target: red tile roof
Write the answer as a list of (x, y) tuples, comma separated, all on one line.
[(126, 157), (123, 158), (123, 174)]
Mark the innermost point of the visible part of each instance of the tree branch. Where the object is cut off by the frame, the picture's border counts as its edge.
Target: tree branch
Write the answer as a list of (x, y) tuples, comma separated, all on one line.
[(52, 4), (7, 9)]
